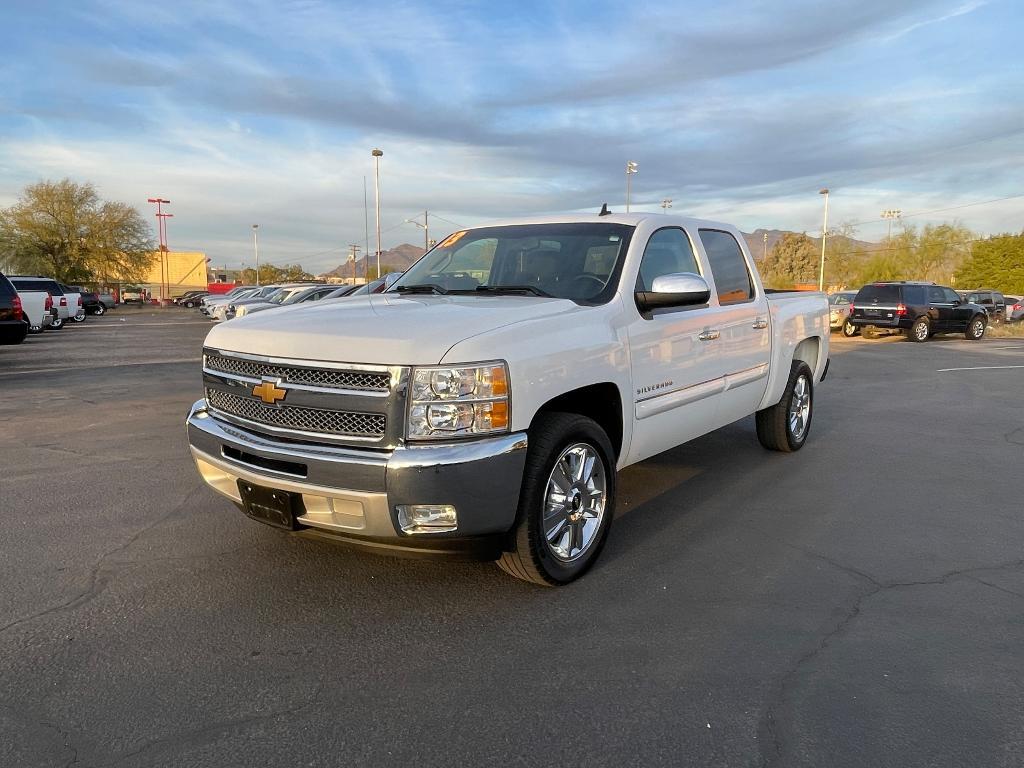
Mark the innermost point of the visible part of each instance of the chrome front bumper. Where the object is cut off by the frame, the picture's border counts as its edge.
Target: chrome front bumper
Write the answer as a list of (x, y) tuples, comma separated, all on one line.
[(353, 492)]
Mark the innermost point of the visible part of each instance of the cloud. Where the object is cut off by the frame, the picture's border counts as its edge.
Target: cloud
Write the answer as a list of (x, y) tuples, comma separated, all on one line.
[(267, 112), (962, 10)]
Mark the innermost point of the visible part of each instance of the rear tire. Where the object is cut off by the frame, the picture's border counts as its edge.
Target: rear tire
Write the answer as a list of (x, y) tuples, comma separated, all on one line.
[(57, 323), (850, 330), (785, 425), (976, 328), (555, 539), (100, 310), (919, 331)]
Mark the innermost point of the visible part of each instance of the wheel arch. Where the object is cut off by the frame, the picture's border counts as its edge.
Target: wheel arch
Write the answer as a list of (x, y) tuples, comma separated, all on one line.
[(601, 402), (808, 351)]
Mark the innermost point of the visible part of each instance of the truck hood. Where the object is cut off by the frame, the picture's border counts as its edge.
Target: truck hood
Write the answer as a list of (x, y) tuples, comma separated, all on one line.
[(382, 329)]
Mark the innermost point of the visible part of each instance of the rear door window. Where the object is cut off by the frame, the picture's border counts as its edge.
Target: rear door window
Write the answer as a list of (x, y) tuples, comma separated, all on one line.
[(878, 294), (732, 278), (952, 297), (915, 294)]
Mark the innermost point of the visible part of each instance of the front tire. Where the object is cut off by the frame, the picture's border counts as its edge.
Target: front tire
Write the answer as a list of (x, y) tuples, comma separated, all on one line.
[(80, 318), (785, 425), (850, 330), (566, 503), (100, 310), (975, 329)]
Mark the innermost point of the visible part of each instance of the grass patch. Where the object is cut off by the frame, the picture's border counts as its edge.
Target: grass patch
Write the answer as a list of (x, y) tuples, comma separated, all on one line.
[(1005, 331)]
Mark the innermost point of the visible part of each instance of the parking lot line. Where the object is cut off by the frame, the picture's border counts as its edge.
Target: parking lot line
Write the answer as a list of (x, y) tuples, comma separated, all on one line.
[(979, 368), (162, 361)]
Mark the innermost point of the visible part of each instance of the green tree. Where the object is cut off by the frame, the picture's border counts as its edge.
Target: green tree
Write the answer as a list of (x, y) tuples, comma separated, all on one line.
[(996, 262), (793, 259), (64, 230), (933, 253), (289, 273)]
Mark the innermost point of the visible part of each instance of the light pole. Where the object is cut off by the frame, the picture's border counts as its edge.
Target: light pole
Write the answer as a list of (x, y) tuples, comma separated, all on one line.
[(631, 168), (824, 235), (764, 251), (256, 250), (892, 213), (666, 204), (377, 155), (425, 226)]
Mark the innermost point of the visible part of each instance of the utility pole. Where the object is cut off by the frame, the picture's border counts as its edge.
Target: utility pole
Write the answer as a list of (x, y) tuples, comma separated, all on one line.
[(353, 252), (631, 168), (764, 251), (425, 226), (256, 250), (824, 236), (890, 214), (162, 234)]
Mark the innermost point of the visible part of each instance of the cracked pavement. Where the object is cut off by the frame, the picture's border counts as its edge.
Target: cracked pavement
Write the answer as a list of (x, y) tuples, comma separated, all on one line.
[(858, 603)]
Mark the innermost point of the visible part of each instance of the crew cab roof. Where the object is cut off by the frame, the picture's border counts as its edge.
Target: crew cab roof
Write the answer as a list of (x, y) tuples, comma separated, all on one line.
[(629, 219)]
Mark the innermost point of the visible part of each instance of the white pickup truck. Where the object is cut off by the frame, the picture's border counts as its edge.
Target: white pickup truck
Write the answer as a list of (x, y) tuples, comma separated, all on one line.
[(38, 309), (482, 405)]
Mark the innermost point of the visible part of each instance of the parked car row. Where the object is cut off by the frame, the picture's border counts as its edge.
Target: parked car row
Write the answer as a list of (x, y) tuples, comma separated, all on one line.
[(246, 299), (33, 304)]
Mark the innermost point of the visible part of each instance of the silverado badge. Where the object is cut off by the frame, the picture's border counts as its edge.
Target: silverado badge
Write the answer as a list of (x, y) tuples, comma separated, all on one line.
[(269, 392)]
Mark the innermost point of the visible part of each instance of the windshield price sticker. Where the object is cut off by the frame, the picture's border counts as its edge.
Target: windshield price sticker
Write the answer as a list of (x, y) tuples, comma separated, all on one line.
[(453, 238)]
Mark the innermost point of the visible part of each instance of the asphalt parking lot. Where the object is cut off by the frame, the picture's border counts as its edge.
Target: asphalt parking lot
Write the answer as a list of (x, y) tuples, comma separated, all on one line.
[(858, 603)]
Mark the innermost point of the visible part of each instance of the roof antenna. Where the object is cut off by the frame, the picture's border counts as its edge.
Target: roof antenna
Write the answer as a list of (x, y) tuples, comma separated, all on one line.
[(604, 210)]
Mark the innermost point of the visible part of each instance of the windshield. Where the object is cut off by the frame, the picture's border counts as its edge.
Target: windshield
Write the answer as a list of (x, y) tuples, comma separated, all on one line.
[(842, 298), (279, 296), (577, 261)]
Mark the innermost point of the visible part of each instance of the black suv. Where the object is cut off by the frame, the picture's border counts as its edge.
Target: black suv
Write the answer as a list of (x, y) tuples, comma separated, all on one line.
[(13, 327), (919, 309)]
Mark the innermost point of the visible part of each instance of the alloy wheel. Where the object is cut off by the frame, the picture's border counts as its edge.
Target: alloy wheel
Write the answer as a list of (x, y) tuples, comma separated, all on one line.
[(799, 408), (574, 502)]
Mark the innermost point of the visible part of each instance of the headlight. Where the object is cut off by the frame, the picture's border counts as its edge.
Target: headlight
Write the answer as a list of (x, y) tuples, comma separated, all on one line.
[(457, 401)]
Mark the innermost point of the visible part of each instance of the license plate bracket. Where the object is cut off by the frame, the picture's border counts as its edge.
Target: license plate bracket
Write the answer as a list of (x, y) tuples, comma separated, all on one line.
[(270, 505)]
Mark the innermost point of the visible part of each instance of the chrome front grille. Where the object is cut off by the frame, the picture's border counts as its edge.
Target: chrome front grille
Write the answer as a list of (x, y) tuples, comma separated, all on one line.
[(297, 418), (327, 378)]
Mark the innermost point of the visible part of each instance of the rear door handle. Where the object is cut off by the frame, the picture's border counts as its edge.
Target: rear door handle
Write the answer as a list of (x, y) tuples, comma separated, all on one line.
[(761, 323), (709, 334)]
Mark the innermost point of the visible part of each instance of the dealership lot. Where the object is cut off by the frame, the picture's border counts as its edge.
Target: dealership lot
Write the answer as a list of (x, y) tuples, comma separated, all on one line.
[(857, 603)]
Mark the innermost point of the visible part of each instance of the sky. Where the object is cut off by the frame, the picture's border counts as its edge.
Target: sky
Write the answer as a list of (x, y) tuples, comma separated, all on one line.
[(266, 112)]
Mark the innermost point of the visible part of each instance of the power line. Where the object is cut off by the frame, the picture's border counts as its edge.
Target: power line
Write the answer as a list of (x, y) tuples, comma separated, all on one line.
[(449, 221), (942, 210)]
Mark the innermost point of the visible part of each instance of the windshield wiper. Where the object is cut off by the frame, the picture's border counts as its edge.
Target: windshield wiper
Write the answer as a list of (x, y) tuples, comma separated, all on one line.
[(421, 288), (499, 289)]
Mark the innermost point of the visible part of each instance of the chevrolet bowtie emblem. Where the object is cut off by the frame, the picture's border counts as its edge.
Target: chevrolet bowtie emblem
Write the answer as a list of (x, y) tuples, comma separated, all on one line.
[(269, 392)]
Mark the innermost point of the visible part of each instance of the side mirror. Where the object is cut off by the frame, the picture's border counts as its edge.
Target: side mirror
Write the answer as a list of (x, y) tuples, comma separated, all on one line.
[(679, 289)]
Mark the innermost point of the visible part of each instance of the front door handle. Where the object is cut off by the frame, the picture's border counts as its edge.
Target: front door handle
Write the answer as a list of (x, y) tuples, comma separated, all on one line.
[(761, 323), (708, 334)]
